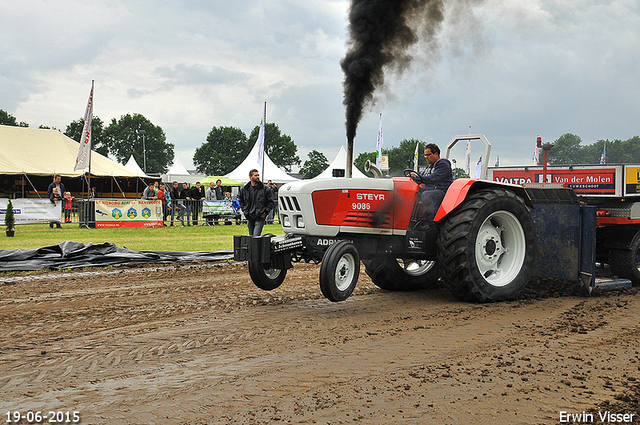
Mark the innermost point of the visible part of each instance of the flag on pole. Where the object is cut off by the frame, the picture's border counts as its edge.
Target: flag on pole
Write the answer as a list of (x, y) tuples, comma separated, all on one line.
[(603, 157), (415, 158), (479, 168), (468, 157), (497, 161), (84, 152), (260, 141), (379, 144), (536, 156)]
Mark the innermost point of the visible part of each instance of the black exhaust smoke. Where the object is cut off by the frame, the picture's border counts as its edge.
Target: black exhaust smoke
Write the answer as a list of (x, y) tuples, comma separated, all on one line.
[(380, 32)]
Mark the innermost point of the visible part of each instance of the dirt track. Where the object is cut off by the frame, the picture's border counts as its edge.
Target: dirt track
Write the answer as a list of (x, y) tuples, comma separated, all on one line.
[(200, 344)]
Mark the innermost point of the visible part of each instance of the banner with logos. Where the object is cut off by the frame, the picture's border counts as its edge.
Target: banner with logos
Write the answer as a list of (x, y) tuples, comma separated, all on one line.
[(30, 211), (128, 213), (218, 208)]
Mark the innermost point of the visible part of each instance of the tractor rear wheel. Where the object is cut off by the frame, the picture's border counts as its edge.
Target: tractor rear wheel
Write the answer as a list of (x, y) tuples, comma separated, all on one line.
[(266, 278), (393, 274), (487, 246), (626, 262), (339, 271)]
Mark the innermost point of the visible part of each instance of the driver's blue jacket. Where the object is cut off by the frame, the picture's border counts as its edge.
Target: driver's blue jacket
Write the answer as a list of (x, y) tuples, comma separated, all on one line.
[(438, 175)]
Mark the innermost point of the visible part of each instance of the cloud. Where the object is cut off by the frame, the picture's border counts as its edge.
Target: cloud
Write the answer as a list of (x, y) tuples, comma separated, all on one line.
[(512, 69)]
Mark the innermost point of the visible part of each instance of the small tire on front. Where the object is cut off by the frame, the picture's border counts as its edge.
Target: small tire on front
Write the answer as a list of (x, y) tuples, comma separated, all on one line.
[(266, 278), (393, 274), (487, 246), (339, 271), (626, 262)]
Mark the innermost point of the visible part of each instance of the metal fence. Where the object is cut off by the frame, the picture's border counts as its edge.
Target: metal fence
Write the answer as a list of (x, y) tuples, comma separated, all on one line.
[(179, 212)]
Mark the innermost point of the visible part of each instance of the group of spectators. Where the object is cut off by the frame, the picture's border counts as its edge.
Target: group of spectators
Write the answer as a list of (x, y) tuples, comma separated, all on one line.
[(181, 200)]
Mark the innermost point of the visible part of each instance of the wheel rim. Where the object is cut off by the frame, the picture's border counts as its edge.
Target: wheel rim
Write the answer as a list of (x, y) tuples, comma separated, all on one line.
[(345, 272), (272, 273), (415, 267), (500, 248)]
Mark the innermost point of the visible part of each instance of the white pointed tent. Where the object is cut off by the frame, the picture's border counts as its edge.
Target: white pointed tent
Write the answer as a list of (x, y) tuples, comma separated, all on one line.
[(340, 162), (179, 173), (134, 165), (177, 167), (271, 171)]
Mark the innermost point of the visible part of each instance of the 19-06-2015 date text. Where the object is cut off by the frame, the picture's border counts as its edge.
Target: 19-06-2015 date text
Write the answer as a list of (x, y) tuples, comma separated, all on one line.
[(49, 417)]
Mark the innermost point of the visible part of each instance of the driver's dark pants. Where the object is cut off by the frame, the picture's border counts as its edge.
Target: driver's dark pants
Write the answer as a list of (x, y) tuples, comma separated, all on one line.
[(431, 200)]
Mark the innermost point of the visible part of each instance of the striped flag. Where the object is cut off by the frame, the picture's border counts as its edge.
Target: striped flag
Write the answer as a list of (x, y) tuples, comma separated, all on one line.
[(415, 158), (603, 157), (468, 157), (379, 144), (478, 170), (260, 141), (84, 152), (536, 156)]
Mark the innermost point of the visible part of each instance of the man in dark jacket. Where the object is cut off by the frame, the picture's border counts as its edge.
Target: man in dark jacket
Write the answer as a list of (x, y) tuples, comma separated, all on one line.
[(197, 194), (185, 195), (178, 205), (436, 180), (256, 200)]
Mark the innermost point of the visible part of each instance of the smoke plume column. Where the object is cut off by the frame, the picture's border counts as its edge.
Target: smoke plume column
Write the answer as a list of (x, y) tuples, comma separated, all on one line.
[(380, 32)]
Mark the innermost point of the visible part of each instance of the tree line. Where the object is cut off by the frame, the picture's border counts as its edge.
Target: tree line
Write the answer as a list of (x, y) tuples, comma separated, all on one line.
[(226, 147)]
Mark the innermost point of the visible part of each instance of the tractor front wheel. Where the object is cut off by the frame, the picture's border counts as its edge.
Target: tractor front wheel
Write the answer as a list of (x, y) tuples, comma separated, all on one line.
[(487, 246), (266, 278), (393, 274), (339, 271)]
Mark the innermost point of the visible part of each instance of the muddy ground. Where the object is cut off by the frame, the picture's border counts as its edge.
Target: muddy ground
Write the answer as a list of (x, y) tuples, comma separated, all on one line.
[(199, 344)]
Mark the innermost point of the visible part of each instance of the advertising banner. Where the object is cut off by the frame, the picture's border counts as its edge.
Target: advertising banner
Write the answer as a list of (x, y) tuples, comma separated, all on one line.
[(29, 211), (218, 208), (632, 180), (128, 213), (593, 181)]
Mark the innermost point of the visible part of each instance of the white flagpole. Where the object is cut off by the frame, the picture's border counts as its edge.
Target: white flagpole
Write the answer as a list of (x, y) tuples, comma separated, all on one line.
[(379, 144), (83, 160), (260, 141)]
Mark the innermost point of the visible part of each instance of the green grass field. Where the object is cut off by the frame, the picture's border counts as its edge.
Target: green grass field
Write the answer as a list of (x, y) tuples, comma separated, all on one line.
[(200, 238)]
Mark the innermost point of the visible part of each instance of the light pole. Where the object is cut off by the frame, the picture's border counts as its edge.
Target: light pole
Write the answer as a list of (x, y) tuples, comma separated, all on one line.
[(144, 150)]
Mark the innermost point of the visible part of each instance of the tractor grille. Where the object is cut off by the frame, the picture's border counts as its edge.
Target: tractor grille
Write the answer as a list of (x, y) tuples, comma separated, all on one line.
[(367, 218), (289, 204)]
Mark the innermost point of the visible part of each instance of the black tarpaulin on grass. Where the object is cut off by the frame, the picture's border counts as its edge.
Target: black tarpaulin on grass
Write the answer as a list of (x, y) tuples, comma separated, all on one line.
[(68, 254)]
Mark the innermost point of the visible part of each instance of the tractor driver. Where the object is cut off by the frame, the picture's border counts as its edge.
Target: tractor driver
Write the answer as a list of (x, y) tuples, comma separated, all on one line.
[(435, 181)]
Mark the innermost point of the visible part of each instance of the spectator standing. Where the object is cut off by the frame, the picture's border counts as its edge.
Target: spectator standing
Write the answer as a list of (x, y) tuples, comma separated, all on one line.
[(59, 186), (177, 204), (219, 190), (163, 197), (256, 200), (185, 194), (210, 195), (68, 205), (272, 213), (197, 194), (93, 194)]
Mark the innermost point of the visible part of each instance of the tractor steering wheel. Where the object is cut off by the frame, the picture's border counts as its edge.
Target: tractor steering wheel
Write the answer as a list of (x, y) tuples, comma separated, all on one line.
[(414, 176)]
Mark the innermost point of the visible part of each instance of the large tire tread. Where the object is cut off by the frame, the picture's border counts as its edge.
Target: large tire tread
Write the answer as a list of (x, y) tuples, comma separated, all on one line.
[(453, 248)]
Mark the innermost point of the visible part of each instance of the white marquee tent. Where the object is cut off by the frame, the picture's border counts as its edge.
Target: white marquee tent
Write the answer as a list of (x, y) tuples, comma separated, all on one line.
[(47, 152), (340, 162), (271, 171)]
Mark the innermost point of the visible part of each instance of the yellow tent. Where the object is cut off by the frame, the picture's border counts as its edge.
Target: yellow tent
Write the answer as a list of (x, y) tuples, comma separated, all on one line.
[(226, 181), (47, 152)]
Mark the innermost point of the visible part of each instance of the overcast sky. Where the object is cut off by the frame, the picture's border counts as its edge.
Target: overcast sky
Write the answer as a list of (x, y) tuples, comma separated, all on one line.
[(510, 69)]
